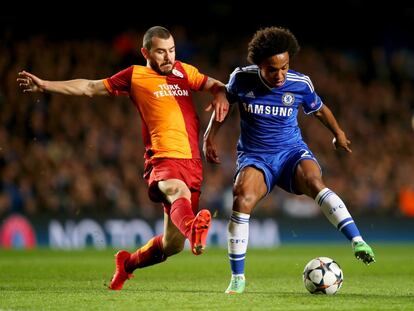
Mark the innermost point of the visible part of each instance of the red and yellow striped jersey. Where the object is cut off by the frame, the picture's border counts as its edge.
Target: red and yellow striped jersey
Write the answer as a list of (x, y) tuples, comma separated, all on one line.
[(170, 125)]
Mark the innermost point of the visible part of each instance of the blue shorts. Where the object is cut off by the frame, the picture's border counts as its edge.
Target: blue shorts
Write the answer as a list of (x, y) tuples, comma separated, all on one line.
[(278, 167)]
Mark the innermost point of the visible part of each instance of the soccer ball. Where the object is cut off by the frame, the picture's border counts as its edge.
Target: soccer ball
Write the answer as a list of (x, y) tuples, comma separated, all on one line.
[(323, 275)]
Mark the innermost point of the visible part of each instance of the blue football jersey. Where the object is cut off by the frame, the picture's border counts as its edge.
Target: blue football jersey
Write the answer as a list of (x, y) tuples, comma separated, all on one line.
[(269, 115)]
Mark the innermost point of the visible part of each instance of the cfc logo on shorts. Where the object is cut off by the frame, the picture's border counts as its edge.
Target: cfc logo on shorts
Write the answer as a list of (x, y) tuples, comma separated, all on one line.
[(288, 99)]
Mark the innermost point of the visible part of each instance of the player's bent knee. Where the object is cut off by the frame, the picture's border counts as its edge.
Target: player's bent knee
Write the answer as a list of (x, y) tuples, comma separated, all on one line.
[(174, 190), (245, 202), (314, 181), (313, 184)]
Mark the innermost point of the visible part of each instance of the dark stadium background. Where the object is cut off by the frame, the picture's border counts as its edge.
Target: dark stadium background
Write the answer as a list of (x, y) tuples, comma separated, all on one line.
[(327, 24), (360, 59)]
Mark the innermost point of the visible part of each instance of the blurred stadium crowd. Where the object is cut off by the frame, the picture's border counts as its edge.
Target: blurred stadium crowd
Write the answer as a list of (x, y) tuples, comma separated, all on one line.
[(80, 156)]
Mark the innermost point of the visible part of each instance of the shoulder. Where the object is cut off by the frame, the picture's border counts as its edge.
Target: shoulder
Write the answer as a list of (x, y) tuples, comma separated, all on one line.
[(184, 66), (242, 75), (245, 71), (300, 80), (124, 74), (184, 70), (136, 68)]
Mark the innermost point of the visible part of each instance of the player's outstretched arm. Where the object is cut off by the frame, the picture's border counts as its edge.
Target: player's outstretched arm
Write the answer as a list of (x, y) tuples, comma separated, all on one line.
[(209, 146), (28, 82), (340, 140), (220, 104)]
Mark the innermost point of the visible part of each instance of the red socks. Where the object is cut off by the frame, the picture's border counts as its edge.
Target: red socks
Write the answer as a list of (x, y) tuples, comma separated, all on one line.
[(148, 255), (195, 198), (182, 215)]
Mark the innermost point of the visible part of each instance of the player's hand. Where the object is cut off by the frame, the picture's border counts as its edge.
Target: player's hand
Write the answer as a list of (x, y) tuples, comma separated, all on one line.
[(220, 105), (210, 152), (341, 141), (29, 82)]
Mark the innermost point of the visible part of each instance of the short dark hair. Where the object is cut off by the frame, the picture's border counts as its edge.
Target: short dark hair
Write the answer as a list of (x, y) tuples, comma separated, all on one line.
[(156, 31), (271, 41)]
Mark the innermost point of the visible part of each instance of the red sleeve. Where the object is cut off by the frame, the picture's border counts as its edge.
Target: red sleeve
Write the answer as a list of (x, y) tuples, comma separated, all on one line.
[(120, 83), (203, 83)]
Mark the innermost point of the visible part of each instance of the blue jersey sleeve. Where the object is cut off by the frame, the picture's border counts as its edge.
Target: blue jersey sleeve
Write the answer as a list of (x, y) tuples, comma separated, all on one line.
[(311, 101), (232, 93)]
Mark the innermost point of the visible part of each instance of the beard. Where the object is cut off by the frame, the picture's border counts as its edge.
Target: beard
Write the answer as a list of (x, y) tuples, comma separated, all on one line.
[(158, 68)]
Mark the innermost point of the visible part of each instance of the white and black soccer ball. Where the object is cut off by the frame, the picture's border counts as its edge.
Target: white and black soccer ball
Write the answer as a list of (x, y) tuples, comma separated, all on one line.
[(323, 275)]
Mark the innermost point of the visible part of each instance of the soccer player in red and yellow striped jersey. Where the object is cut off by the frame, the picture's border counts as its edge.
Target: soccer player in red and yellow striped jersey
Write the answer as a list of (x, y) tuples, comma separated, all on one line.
[(161, 91)]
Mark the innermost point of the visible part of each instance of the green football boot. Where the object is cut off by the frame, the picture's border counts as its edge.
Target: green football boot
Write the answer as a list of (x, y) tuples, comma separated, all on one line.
[(363, 252), (236, 285)]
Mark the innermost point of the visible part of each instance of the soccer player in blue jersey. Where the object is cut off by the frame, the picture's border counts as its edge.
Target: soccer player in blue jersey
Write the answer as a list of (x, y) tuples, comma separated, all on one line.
[(271, 150)]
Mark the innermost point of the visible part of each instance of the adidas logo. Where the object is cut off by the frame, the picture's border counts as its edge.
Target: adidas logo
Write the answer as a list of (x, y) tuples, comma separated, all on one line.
[(250, 95)]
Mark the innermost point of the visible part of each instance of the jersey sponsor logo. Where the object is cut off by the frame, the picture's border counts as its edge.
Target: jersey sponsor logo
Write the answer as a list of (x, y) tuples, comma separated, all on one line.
[(170, 90), (250, 95), (177, 73), (268, 110), (288, 99)]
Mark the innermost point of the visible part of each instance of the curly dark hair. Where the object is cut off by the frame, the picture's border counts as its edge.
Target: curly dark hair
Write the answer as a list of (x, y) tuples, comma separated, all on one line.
[(271, 41)]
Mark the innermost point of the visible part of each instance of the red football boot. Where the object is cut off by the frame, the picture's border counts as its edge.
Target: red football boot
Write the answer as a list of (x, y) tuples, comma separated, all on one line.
[(120, 275), (199, 231)]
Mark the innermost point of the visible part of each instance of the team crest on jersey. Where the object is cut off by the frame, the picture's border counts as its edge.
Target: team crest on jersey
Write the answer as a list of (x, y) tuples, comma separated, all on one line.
[(177, 73), (288, 99)]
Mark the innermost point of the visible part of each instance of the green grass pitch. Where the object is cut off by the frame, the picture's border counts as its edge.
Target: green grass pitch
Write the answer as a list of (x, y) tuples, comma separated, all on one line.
[(75, 280)]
